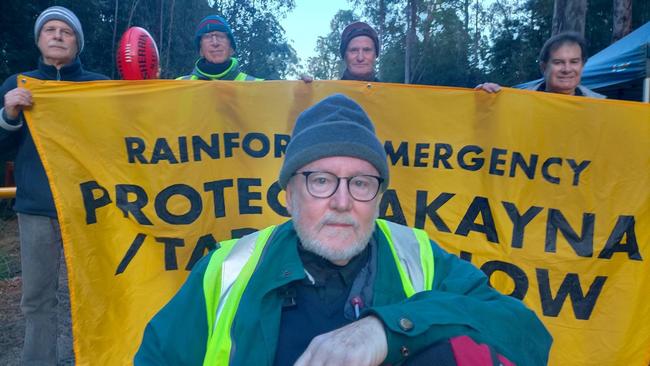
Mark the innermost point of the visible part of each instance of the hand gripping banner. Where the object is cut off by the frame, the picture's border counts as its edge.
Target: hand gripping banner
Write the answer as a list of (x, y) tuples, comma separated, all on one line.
[(547, 194)]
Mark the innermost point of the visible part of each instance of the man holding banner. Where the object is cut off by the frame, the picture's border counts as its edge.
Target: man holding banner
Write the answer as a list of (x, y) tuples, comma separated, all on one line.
[(335, 284), (60, 40), (216, 45), (359, 49), (561, 61)]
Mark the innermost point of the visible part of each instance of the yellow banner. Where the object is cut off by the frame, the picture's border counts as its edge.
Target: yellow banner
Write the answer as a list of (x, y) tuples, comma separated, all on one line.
[(547, 194)]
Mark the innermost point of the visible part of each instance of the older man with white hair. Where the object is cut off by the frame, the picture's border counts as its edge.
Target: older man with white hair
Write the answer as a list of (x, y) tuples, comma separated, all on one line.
[(336, 285), (60, 40)]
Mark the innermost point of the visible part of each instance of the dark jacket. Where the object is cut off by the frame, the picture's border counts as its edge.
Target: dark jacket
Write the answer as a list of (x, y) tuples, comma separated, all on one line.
[(348, 76), (581, 90), (33, 195), (460, 303)]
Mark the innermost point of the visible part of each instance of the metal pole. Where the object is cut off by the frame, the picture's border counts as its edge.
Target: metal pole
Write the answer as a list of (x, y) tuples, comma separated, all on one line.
[(7, 192)]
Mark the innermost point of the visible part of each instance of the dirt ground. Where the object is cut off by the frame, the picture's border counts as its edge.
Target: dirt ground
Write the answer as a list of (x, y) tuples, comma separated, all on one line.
[(11, 320)]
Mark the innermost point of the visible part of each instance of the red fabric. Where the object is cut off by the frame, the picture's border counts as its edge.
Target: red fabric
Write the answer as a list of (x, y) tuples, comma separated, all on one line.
[(470, 353), (209, 21)]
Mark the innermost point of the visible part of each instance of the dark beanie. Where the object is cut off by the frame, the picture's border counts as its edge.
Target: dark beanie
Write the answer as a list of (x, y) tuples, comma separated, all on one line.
[(213, 23), (335, 126), (355, 30), (64, 15)]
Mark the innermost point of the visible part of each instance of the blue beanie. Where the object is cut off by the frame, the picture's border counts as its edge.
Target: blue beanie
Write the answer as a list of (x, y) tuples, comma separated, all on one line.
[(335, 126), (213, 23), (62, 14)]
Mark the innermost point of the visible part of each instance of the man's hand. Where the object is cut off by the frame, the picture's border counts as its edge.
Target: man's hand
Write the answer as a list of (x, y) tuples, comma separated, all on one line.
[(360, 343), (15, 100), (489, 87), (306, 78)]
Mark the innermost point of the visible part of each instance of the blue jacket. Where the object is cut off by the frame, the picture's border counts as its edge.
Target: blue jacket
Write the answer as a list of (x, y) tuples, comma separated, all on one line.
[(461, 303), (33, 194)]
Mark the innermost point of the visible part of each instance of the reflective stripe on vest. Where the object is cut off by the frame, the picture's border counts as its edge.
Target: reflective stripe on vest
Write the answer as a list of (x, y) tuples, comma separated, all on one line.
[(224, 285), (240, 77), (232, 266), (413, 255)]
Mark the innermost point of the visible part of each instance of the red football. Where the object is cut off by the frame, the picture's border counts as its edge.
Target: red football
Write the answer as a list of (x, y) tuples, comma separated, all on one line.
[(137, 55)]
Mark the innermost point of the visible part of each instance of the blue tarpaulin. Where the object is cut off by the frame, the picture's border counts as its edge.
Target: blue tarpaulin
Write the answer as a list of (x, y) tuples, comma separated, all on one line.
[(622, 63)]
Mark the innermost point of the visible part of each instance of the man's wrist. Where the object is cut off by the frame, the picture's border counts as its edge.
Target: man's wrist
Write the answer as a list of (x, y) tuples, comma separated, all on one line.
[(9, 124)]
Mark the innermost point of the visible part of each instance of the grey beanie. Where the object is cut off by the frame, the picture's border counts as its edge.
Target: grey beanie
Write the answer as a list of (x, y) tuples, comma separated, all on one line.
[(335, 126), (65, 15)]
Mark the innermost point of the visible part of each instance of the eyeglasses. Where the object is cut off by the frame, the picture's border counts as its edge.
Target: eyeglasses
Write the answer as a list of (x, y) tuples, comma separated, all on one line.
[(362, 188), (216, 35)]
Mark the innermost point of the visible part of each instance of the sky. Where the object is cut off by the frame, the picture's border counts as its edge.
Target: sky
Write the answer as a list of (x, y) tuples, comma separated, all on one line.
[(309, 20)]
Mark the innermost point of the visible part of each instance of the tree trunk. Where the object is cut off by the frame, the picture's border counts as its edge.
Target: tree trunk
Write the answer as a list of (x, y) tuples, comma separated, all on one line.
[(133, 7), (427, 29), (381, 16), (169, 33), (410, 39), (569, 15), (161, 32), (622, 22), (117, 2)]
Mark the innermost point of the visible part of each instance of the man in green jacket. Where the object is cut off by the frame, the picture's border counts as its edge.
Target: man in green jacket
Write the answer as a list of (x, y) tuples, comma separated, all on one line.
[(335, 285), (216, 45)]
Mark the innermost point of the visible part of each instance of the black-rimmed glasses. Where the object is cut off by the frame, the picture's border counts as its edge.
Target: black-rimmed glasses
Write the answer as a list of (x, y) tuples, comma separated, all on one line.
[(362, 188)]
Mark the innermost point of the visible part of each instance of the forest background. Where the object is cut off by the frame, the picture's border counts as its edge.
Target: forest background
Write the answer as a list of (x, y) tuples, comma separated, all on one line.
[(435, 42)]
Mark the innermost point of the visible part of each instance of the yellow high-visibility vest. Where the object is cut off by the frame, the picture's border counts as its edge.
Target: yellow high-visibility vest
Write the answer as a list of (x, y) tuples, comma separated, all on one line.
[(232, 265)]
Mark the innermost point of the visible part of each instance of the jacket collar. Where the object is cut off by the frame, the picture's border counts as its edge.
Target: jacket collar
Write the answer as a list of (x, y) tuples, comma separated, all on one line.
[(281, 264), (229, 74), (70, 71), (348, 76)]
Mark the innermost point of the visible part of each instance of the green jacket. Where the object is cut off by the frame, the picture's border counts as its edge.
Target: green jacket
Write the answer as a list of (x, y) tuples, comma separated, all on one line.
[(461, 303), (231, 73)]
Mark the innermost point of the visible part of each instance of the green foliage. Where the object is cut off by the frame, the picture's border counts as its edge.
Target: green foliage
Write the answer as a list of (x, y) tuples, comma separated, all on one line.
[(327, 64), (466, 42), (262, 45), (517, 36)]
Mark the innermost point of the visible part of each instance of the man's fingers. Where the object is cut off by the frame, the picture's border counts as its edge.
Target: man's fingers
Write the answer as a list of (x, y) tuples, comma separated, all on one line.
[(15, 100), (18, 97), (489, 87), (359, 343), (305, 358)]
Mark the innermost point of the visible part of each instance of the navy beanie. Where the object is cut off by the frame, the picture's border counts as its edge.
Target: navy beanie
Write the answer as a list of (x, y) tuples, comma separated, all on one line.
[(213, 23), (64, 15), (357, 29), (335, 126)]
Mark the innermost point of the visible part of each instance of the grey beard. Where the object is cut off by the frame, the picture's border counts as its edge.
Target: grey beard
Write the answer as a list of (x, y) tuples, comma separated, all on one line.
[(312, 244), (333, 254)]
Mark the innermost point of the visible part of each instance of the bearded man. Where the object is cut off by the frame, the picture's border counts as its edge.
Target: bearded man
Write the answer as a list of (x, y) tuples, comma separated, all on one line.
[(336, 285)]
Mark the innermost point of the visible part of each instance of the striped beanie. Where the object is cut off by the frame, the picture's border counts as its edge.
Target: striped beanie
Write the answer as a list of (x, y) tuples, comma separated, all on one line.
[(213, 23), (65, 15)]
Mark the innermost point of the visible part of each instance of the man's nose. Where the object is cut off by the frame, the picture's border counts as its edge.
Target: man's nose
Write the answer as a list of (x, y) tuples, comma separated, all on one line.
[(341, 200)]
